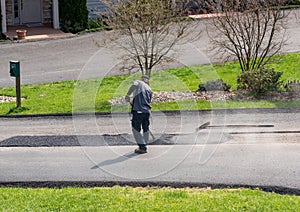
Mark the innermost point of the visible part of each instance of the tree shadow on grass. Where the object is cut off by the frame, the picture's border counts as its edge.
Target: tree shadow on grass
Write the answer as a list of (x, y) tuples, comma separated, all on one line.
[(17, 110)]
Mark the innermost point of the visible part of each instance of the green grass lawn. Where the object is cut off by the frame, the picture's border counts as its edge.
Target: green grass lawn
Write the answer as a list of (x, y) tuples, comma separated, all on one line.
[(144, 199), (93, 95)]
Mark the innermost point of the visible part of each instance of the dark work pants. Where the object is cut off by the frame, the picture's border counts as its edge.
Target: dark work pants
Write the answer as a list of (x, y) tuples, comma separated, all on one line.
[(139, 121)]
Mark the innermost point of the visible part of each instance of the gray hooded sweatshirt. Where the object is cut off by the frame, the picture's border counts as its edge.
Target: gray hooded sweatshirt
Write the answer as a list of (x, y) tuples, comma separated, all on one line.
[(142, 96)]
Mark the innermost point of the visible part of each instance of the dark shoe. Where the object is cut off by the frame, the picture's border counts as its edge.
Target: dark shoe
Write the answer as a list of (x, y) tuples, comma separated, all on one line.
[(140, 151)]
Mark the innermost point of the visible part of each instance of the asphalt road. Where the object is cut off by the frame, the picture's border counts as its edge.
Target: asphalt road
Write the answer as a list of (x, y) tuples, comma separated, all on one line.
[(93, 55), (240, 147)]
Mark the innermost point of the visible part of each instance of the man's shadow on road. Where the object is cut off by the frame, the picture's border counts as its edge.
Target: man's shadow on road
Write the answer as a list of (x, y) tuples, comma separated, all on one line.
[(116, 160)]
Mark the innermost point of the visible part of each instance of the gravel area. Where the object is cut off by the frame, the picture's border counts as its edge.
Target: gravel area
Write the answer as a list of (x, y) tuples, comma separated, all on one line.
[(159, 97)]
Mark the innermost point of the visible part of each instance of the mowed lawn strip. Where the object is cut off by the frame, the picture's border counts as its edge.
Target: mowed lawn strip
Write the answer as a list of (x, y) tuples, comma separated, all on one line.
[(92, 95), (144, 199)]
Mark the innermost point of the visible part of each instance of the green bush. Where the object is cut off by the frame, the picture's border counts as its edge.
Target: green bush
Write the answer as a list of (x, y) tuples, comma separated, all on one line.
[(97, 24), (260, 81), (2, 36), (0, 22), (73, 15), (214, 85)]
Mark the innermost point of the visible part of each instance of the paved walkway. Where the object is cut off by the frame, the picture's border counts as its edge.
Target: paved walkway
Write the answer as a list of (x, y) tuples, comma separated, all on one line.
[(36, 33)]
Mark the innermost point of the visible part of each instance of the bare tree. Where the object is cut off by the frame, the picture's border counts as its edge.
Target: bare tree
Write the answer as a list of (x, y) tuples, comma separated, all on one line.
[(251, 31), (153, 28)]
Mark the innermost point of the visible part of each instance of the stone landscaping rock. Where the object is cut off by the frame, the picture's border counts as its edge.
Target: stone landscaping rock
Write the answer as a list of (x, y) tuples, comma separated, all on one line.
[(159, 97), (4, 99)]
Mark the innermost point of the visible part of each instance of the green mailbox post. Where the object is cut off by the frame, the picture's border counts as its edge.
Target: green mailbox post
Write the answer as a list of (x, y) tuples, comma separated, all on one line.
[(14, 70)]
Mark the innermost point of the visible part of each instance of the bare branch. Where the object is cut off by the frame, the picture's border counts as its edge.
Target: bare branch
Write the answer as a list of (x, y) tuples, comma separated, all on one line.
[(248, 30), (153, 29)]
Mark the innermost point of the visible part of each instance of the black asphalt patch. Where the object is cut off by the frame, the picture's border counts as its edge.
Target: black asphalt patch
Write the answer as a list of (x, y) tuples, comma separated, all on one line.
[(91, 184), (80, 140), (109, 140)]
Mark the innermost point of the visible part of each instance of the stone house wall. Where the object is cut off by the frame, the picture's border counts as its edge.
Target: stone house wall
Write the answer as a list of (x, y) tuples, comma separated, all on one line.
[(9, 12), (47, 11)]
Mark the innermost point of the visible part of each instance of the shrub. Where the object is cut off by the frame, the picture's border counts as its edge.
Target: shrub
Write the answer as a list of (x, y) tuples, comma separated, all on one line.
[(259, 81), (73, 15), (2, 36), (97, 24), (0, 22), (214, 85)]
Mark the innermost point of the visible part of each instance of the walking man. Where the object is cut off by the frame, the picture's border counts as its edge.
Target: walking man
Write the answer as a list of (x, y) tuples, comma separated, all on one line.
[(142, 96)]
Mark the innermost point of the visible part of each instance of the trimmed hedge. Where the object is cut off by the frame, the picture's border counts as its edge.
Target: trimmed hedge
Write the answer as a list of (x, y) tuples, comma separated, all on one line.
[(73, 15), (2, 36), (0, 22)]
